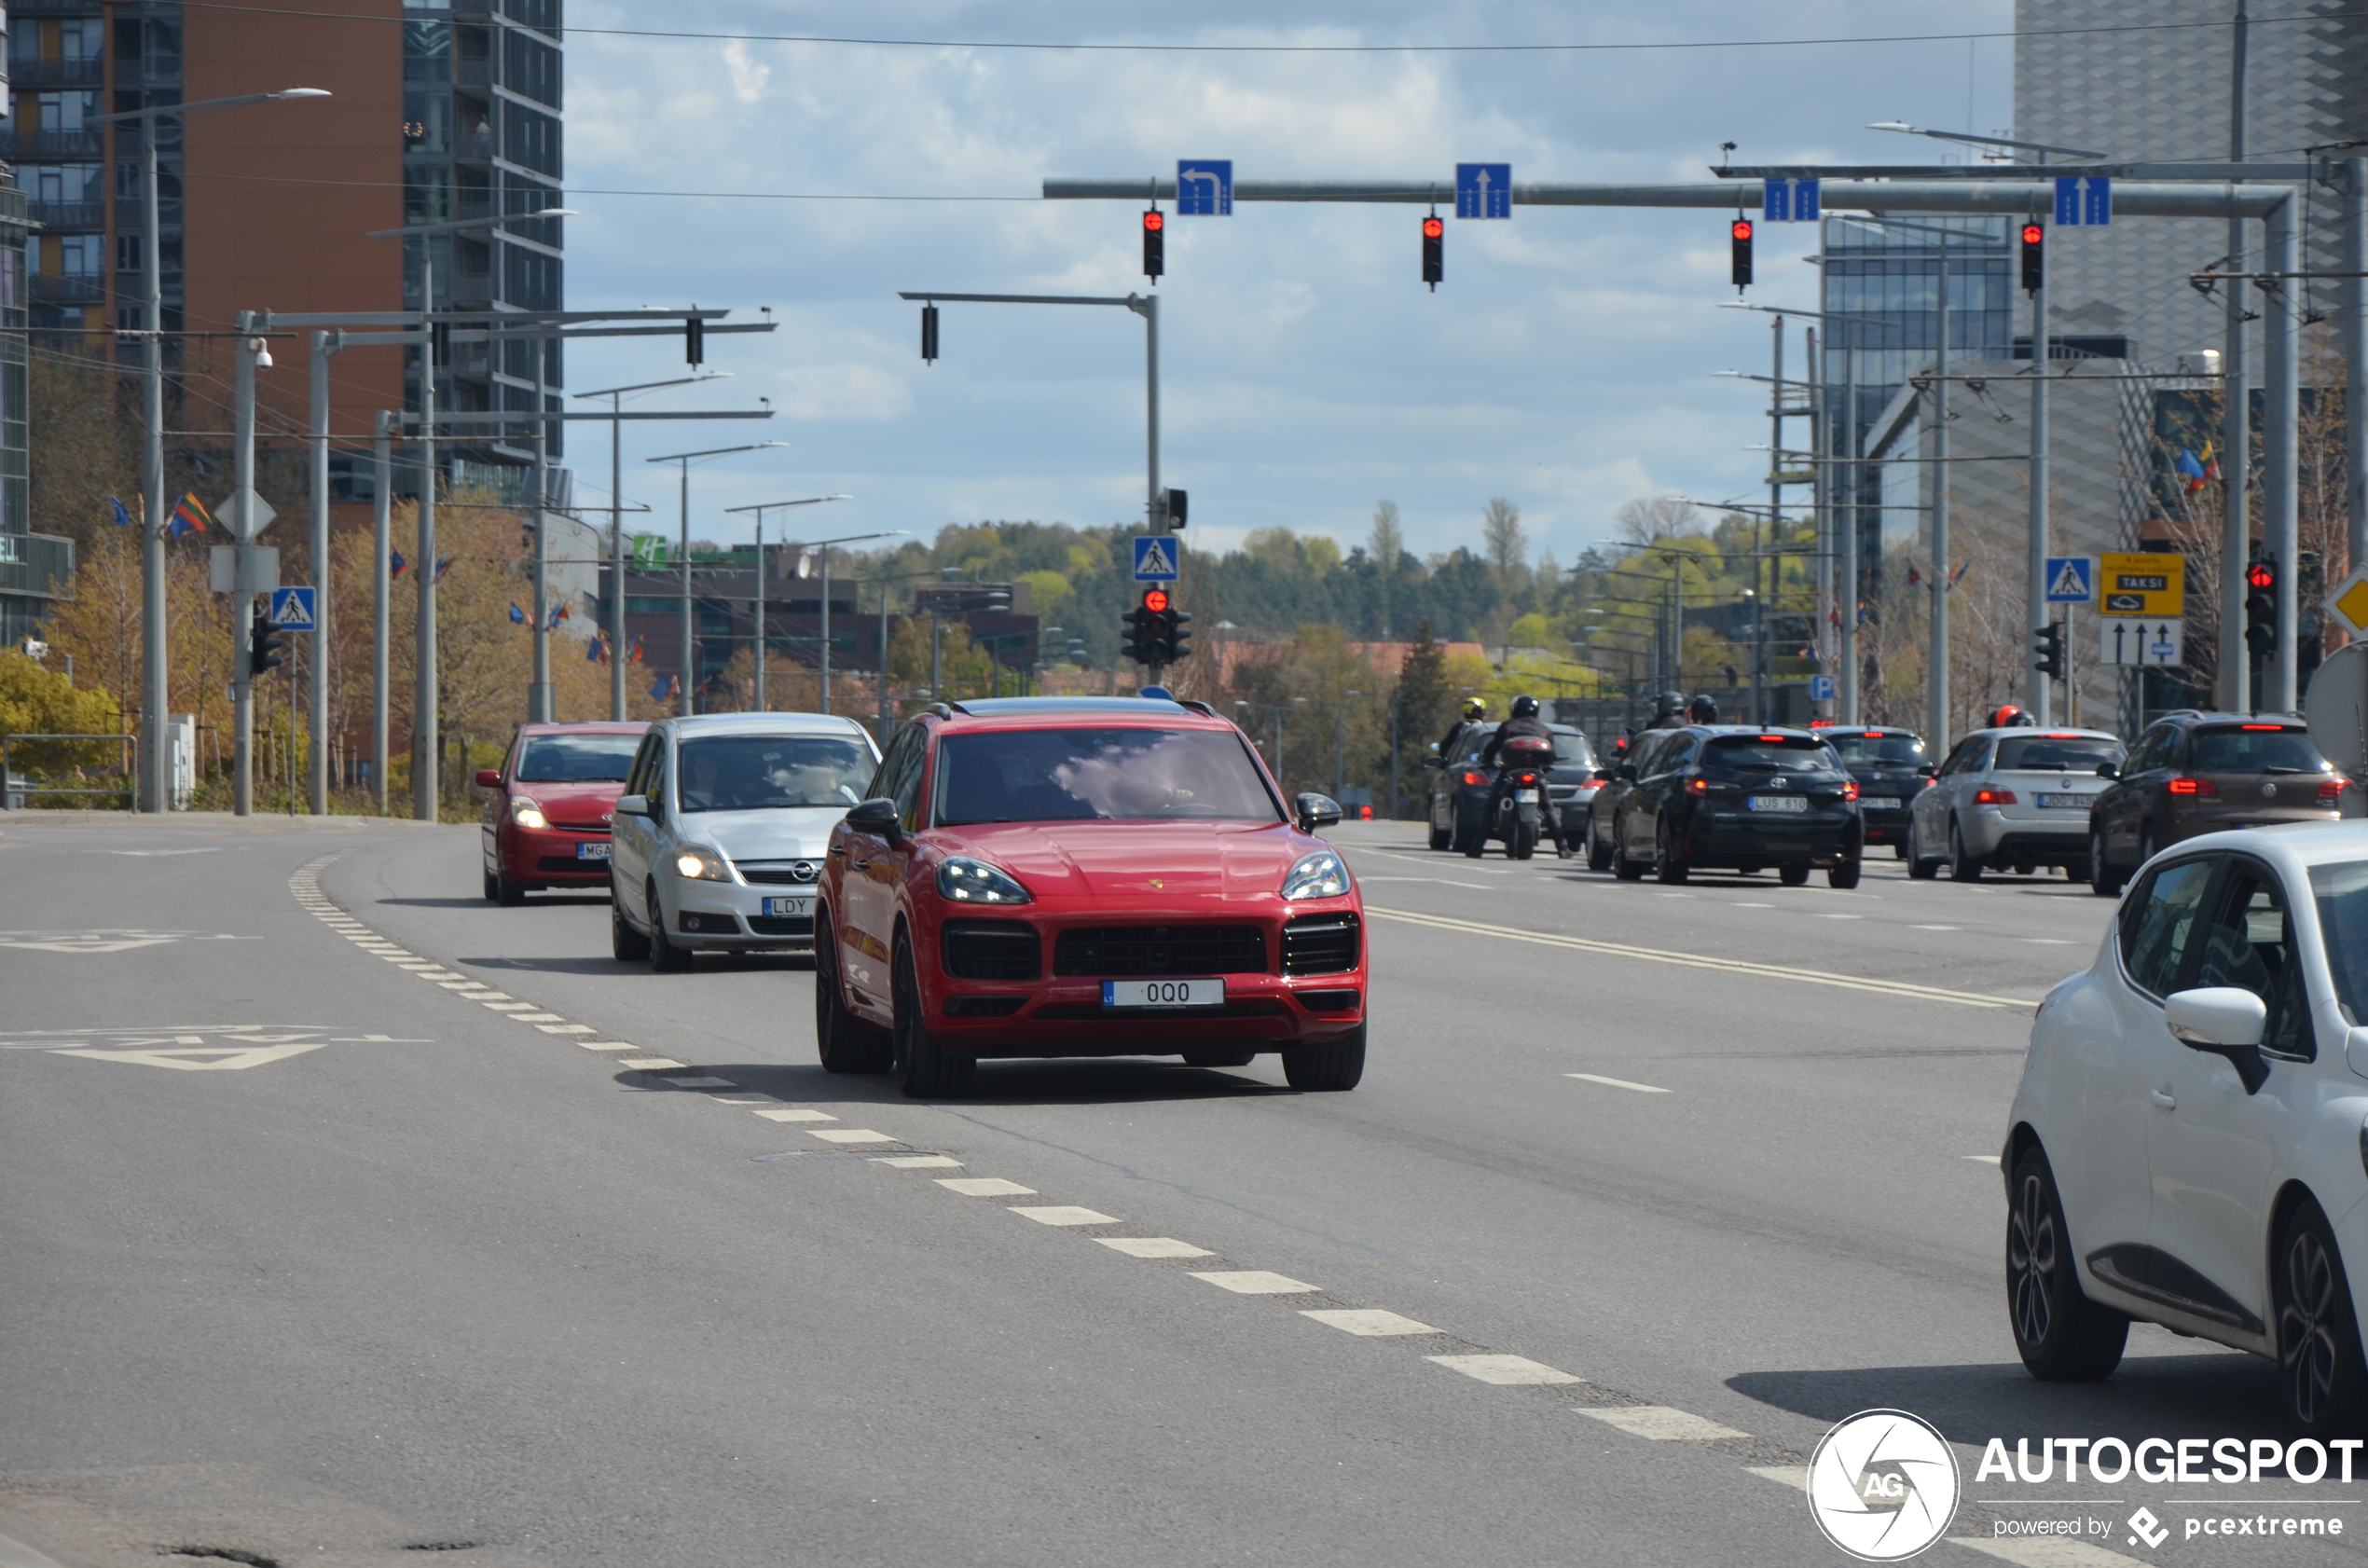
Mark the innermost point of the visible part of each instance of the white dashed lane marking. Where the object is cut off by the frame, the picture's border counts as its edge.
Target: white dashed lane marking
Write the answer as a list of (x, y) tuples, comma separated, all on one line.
[(985, 1187), (649, 1064), (853, 1135), (1618, 1083), (797, 1113), (1784, 1474), (1370, 1321), (918, 1162), (1153, 1246), (1661, 1423), (607, 1045), (1066, 1214), (1506, 1370), (1256, 1282)]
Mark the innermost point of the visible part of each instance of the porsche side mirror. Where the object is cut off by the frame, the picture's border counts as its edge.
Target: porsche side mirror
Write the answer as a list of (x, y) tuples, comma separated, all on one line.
[(876, 816), (633, 806), (488, 779), (1317, 811), (2226, 1020)]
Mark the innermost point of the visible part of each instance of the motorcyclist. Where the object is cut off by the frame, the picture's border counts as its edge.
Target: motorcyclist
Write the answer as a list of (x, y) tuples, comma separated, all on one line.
[(1704, 709), (2011, 717), (1474, 711), (1668, 711), (1524, 722)]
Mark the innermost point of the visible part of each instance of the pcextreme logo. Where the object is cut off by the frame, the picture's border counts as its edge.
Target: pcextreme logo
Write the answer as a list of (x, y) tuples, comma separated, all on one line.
[(1883, 1485)]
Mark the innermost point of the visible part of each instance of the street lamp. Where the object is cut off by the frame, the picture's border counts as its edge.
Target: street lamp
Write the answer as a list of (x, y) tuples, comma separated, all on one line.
[(687, 459), (154, 784), (824, 544), (617, 521), (426, 744)]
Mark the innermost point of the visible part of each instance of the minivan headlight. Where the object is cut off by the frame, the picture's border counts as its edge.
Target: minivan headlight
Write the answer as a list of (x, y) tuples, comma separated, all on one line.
[(527, 812), (701, 864), (1320, 876), (967, 881)]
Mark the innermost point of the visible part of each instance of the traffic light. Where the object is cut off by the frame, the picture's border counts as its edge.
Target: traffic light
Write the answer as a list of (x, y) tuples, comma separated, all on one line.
[(2261, 607), (1154, 243), (1433, 252), (266, 644), (2034, 257), (2050, 662), (929, 333), (1141, 642), (1176, 509), (694, 341), (1743, 252), (1177, 642)]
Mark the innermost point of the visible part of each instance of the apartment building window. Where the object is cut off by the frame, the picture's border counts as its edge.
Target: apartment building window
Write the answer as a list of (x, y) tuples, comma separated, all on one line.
[(63, 111), (427, 52), (530, 138), (530, 68), (52, 183)]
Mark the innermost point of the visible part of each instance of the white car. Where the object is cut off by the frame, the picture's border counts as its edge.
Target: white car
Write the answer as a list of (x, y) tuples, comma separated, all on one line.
[(2189, 1144), (720, 834)]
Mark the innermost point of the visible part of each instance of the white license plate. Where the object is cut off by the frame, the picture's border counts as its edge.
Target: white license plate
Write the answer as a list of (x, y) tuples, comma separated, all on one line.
[(2063, 803), (793, 909), (1879, 803), (1527, 797), (1163, 993), (591, 851), (1778, 802)]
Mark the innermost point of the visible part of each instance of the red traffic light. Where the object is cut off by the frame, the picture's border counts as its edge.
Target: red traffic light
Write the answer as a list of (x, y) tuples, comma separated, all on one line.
[(2261, 574), (1154, 222), (1155, 600), (1433, 229), (1743, 229), (2033, 234)]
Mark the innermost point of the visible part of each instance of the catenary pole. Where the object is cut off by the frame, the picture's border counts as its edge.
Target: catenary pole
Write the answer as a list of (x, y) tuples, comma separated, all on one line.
[(156, 786), (2036, 692), (538, 705), (2236, 422), (1853, 589), (426, 751), (2280, 328), (616, 560), (2355, 351), (1820, 489), (381, 593), (1773, 529), (325, 344), (1936, 656), (242, 557)]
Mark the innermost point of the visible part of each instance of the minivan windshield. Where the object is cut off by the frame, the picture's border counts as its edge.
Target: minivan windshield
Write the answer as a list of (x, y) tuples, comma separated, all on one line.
[(1878, 751), (2074, 753), (1767, 754), (1126, 773), (2254, 749), (771, 771), (576, 759)]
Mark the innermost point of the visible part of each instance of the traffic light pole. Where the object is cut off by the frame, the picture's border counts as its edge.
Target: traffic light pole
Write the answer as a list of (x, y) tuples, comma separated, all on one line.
[(2035, 688), (242, 561)]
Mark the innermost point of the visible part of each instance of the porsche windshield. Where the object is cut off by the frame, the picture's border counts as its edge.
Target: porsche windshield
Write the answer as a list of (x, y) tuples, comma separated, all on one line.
[(761, 772), (1115, 775)]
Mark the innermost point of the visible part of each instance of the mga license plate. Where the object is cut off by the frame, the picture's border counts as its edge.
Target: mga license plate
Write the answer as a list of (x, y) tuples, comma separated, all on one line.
[(591, 851), (793, 909), (1163, 993), (1778, 802)]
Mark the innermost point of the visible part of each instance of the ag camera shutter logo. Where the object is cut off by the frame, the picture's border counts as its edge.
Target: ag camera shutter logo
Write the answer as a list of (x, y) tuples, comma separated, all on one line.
[(1883, 1485)]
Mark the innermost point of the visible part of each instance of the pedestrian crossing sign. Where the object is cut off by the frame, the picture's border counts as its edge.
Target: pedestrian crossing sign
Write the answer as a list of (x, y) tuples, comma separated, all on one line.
[(1157, 556), (2071, 579), (292, 609)]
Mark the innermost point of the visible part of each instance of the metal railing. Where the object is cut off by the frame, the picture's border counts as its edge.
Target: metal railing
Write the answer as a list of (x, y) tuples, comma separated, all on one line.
[(68, 214), (34, 72), (26, 144), (68, 288), (15, 789)]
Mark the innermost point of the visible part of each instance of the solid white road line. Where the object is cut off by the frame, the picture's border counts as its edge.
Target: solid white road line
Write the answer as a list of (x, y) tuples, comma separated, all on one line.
[(1256, 1282), (985, 1187), (1066, 1214), (1370, 1321), (1618, 1083), (917, 1162), (1153, 1246), (1703, 961), (1661, 1423), (849, 1134), (797, 1113), (1506, 1370)]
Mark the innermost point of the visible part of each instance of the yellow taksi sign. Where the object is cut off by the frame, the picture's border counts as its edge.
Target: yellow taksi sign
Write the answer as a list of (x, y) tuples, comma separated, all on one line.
[(2146, 583)]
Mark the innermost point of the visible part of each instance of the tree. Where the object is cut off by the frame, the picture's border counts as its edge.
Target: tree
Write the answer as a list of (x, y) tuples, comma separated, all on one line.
[(1387, 547), (1653, 518), (1425, 697), (1506, 540), (38, 700)]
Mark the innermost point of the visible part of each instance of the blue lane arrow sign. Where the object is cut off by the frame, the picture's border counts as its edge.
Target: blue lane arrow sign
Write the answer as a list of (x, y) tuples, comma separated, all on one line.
[(1483, 190), (1204, 187), (1158, 557), (2072, 579), (1789, 201), (2083, 200), (292, 609)]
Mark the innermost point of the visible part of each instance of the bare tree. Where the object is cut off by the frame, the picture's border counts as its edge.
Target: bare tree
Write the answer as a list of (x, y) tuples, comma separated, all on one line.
[(1506, 540), (1650, 519)]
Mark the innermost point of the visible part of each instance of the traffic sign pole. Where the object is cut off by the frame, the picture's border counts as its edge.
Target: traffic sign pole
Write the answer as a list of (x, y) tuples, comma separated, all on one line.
[(243, 542), (2036, 690)]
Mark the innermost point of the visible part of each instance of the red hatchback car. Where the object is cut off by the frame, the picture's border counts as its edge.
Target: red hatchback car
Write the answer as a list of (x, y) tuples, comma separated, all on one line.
[(546, 821), (1085, 876)]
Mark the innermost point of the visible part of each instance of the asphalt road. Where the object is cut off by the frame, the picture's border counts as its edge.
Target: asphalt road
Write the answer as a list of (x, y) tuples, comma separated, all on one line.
[(339, 1225)]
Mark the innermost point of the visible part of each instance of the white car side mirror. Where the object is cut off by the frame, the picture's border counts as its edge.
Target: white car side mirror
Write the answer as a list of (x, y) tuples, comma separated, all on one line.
[(632, 806), (2216, 1017)]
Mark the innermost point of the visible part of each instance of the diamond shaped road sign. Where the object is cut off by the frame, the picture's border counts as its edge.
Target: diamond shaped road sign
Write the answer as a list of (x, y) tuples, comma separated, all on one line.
[(2349, 603)]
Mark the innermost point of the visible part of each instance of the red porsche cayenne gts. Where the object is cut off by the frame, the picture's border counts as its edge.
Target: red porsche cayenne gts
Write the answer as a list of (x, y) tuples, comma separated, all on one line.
[(1085, 876)]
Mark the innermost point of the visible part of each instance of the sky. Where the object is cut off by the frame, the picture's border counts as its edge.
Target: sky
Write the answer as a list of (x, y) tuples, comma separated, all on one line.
[(1568, 361)]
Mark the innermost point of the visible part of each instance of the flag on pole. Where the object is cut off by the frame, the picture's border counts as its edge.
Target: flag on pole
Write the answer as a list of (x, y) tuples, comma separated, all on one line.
[(663, 688), (443, 565), (636, 657), (1915, 576), (122, 517), (558, 612), (517, 616), (189, 516), (597, 651), (1956, 574), (394, 563), (2200, 470)]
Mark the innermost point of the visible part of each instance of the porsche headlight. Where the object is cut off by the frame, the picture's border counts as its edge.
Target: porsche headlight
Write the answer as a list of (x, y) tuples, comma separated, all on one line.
[(967, 881), (1320, 876), (527, 813), (701, 864)]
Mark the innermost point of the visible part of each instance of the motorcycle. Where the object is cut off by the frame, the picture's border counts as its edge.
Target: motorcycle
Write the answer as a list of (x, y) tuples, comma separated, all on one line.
[(1522, 767)]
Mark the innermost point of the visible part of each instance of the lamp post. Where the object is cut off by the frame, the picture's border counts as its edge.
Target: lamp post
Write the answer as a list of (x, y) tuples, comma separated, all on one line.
[(821, 545), (683, 681), (155, 786), (617, 522), (426, 748)]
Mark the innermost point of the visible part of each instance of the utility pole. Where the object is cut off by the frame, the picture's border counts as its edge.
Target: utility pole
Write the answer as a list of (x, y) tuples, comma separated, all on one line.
[(243, 560), (2236, 420), (687, 682), (1775, 521), (2036, 692), (538, 696), (381, 593), (2281, 327), (317, 764), (2355, 348), (1937, 677)]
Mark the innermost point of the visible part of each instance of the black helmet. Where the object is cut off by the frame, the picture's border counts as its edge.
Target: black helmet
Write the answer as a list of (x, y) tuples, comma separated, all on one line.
[(1704, 709), (1669, 704), (1524, 707)]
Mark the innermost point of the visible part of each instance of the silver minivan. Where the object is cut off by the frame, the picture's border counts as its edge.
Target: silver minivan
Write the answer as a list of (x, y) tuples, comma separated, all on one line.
[(720, 834)]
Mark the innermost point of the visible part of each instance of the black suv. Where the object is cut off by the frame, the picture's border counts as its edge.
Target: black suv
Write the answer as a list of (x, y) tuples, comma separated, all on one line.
[(2205, 773), (1740, 797), (1887, 764)]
